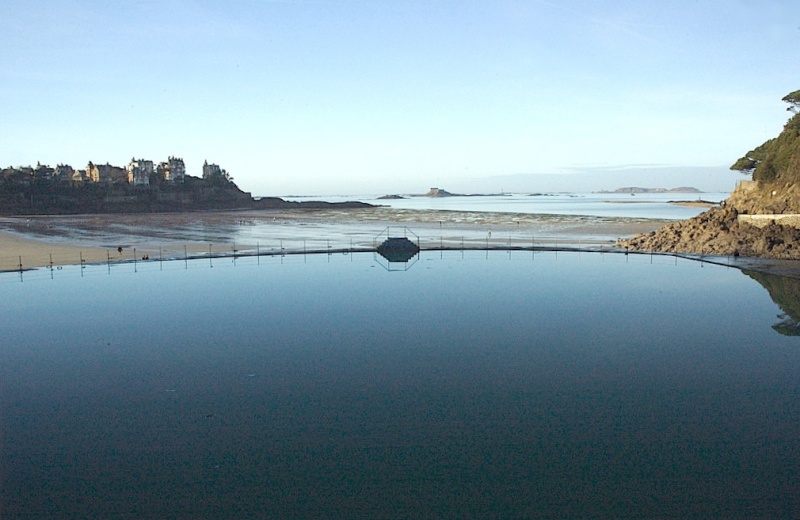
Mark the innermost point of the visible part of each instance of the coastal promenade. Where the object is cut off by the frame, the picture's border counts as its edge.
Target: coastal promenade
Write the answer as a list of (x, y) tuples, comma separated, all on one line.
[(760, 221)]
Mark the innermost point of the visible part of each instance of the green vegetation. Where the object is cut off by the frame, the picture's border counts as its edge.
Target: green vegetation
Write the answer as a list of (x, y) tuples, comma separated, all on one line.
[(778, 159), (793, 98)]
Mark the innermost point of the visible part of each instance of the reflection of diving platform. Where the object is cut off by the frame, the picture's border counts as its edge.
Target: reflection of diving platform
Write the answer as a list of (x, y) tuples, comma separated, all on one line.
[(398, 250)]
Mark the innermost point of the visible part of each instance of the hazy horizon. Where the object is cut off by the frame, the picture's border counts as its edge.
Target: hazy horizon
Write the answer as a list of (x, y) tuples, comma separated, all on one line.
[(708, 180), (339, 96)]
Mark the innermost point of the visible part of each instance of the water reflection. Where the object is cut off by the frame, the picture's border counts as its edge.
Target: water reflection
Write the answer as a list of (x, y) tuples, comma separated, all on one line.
[(398, 250), (396, 261), (477, 385), (785, 292)]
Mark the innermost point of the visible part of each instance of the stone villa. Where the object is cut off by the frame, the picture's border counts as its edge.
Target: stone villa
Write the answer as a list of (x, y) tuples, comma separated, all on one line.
[(138, 172)]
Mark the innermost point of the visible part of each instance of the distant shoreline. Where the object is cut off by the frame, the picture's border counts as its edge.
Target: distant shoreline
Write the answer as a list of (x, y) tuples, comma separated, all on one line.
[(683, 203)]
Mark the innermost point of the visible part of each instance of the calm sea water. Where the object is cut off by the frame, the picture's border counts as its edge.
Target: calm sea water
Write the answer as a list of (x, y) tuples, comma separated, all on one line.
[(461, 386), (641, 205)]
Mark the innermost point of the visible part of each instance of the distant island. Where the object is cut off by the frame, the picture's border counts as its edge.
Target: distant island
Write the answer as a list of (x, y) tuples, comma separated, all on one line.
[(634, 190), (140, 187), (438, 192), (441, 193)]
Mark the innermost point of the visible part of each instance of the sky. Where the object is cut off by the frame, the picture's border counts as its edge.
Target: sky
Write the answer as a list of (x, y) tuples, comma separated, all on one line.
[(338, 97)]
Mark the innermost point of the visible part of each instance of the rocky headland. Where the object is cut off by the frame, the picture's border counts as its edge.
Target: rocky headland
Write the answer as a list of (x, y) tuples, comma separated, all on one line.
[(761, 218), (194, 194), (751, 222)]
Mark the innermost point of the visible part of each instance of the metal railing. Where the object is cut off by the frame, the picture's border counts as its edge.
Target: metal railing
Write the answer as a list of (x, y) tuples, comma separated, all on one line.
[(61, 254)]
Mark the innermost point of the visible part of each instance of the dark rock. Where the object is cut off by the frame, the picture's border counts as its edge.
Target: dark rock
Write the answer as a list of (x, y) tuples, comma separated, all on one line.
[(718, 232)]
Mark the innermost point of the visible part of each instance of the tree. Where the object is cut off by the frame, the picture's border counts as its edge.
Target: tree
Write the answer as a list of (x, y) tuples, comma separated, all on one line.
[(778, 159), (793, 98), (748, 163)]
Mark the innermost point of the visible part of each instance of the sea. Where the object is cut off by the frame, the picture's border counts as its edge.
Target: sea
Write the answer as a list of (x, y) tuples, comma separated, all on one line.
[(458, 384), (608, 205)]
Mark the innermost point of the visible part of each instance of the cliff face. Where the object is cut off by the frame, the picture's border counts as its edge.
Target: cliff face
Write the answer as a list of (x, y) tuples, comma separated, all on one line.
[(719, 231), (53, 199), (766, 198)]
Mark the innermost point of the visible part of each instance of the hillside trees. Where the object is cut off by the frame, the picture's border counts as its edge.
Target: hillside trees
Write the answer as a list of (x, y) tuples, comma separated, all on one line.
[(793, 98), (778, 159)]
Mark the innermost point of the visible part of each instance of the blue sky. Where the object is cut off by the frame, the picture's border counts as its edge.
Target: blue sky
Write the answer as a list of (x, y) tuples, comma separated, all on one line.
[(356, 96)]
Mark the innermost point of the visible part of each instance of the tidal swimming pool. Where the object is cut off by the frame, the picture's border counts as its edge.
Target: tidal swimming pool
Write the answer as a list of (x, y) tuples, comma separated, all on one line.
[(463, 385)]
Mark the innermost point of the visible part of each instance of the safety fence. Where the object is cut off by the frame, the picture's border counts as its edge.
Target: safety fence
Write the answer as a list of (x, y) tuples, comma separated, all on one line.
[(51, 255)]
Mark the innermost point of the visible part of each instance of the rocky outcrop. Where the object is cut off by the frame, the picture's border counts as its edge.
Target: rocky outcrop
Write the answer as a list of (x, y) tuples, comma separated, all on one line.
[(719, 231), (436, 192)]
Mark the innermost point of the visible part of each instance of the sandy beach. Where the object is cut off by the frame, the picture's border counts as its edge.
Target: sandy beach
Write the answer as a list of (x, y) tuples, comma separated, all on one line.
[(32, 242), (28, 252)]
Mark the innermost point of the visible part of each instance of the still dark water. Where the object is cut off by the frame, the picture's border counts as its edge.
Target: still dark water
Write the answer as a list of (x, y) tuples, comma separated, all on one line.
[(507, 386)]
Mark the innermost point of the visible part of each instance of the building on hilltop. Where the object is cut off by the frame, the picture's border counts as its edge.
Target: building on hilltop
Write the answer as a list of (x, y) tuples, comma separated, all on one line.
[(211, 171), (139, 171), (172, 171), (22, 176), (63, 173), (214, 175), (80, 176), (106, 174), (162, 171), (43, 172), (95, 172), (177, 170)]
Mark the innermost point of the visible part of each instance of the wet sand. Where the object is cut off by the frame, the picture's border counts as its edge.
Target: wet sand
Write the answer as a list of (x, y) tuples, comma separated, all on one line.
[(33, 242), (695, 203), (19, 250), (62, 240)]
